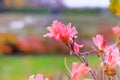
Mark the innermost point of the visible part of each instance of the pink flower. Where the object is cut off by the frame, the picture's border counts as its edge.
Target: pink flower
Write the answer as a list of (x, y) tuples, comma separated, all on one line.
[(61, 32), (79, 71), (76, 48), (112, 57), (116, 30), (112, 60), (99, 42), (38, 77)]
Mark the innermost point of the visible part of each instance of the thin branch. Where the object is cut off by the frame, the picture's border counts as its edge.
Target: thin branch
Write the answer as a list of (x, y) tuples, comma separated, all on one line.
[(82, 61), (92, 74)]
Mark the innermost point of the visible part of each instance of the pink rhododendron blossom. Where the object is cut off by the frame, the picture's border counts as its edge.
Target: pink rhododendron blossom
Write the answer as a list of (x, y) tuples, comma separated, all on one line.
[(61, 32), (116, 30), (38, 77), (99, 42), (79, 71), (112, 57), (76, 48), (112, 60)]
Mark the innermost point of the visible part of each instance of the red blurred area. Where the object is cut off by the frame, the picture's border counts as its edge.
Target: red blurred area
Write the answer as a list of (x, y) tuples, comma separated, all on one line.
[(12, 44), (30, 44), (5, 49)]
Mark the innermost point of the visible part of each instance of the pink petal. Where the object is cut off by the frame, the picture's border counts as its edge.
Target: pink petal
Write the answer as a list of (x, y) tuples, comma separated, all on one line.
[(39, 77), (46, 78), (116, 30), (99, 42), (79, 70), (74, 67), (31, 77)]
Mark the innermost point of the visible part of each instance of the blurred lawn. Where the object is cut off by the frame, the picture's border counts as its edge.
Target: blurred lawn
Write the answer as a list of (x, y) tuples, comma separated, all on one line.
[(21, 67)]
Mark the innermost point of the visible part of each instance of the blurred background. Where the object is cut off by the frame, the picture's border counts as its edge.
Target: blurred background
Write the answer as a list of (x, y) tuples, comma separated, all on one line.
[(23, 49)]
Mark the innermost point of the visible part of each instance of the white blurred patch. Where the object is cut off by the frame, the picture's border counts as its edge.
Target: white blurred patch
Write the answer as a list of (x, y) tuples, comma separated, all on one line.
[(86, 3), (28, 19), (17, 24)]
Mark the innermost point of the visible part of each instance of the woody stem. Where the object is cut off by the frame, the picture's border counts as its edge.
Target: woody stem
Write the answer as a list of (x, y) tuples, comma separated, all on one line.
[(82, 60)]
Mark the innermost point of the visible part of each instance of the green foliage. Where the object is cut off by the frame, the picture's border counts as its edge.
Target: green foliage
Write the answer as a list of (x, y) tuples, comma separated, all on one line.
[(86, 11)]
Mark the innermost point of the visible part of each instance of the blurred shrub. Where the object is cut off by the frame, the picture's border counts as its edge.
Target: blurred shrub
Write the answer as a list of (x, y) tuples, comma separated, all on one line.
[(5, 49), (30, 44), (27, 10), (12, 44), (84, 11)]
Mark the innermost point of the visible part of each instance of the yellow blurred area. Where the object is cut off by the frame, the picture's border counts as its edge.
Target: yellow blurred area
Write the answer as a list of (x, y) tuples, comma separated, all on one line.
[(7, 37), (11, 38), (14, 3), (115, 7), (2, 38)]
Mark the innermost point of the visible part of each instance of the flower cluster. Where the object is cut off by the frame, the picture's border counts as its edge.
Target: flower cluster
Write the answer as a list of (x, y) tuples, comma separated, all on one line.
[(61, 32), (38, 77), (108, 54), (79, 70)]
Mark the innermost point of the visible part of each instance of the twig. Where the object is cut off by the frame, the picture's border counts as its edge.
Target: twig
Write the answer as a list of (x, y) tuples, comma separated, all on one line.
[(79, 58), (93, 76)]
